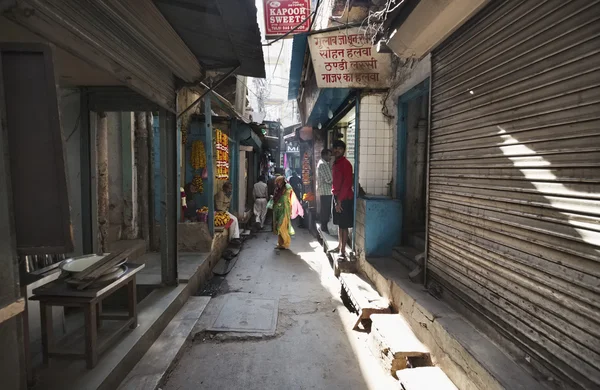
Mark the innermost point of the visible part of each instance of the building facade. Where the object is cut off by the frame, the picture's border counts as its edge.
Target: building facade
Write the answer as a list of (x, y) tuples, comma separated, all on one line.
[(490, 120)]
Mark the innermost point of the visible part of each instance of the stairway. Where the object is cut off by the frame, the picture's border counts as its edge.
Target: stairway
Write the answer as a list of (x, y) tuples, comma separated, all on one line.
[(412, 255)]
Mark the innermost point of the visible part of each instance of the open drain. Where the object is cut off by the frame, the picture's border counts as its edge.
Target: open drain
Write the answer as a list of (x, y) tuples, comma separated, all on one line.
[(215, 286)]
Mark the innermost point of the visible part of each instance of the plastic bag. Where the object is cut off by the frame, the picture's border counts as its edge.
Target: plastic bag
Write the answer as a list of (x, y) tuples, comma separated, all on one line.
[(270, 204)]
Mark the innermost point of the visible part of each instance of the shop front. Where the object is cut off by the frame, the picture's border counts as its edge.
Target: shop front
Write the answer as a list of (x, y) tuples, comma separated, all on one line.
[(340, 99), (225, 151)]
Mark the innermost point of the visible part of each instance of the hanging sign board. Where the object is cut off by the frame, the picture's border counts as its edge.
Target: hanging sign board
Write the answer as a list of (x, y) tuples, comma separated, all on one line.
[(347, 59), (281, 16)]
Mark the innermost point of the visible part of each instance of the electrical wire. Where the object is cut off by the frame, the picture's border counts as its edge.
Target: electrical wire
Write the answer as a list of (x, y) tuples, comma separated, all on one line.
[(312, 22), (248, 88), (277, 62)]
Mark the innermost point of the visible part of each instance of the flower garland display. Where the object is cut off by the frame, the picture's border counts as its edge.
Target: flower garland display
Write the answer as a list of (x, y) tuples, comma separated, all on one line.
[(221, 217), (198, 162), (308, 197), (198, 156), (222, 146), (306, 169), (198, 183), (183, 198)]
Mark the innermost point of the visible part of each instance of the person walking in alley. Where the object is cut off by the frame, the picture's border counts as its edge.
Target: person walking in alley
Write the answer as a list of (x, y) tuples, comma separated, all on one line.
[(260, 193), (296, 183), (343, 195), (222, 203), (285, 208), (324, 180)]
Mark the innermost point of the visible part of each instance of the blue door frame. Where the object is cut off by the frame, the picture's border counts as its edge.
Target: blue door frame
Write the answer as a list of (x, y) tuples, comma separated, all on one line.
[(417, 91)]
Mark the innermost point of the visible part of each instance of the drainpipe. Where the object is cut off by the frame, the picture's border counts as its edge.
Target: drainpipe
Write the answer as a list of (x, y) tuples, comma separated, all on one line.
[(141, 151), (102, 186), (356, 164)]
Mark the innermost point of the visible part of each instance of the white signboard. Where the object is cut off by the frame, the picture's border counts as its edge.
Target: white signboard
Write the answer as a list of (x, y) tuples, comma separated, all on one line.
[(346, 59)]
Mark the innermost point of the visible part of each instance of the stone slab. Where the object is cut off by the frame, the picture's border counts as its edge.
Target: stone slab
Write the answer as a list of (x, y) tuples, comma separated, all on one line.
[(381, 351), (424, 378), (469, 358), (362, 292), (152, 368), (224, 266), (243, 313), (398, 336)]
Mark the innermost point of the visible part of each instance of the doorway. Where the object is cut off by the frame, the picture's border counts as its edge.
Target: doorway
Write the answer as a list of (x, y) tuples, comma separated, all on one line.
[(413, 112)]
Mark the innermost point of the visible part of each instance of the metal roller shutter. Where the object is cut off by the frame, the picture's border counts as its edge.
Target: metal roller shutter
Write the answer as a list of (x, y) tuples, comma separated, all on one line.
[(514, 179)]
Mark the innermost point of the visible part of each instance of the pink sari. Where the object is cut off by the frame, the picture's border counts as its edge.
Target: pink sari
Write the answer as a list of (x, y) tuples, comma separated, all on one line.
[(297, 209)]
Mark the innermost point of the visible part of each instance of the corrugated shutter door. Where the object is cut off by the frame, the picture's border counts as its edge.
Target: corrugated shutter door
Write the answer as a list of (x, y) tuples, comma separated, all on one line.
[(514, 178)]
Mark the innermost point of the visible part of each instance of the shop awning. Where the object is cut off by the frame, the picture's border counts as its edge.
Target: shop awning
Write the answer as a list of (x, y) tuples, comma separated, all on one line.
[(272, 142), (223, 103), (222, 34), (330, 99), (247, 136)]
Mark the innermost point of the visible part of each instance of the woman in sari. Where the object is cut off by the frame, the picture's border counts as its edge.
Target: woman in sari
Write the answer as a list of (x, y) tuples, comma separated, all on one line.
[(285, 208)]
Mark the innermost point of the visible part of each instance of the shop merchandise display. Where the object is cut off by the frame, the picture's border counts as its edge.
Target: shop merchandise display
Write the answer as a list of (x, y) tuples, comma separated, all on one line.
[(222, 146)]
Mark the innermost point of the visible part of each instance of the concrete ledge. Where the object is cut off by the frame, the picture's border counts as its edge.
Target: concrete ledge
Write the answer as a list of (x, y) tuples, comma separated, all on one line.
[(151, 370), (468, 357), (155, 313)]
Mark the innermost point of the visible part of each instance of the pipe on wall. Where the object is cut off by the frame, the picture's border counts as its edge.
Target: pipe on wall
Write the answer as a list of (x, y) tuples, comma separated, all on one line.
[(356, 165)]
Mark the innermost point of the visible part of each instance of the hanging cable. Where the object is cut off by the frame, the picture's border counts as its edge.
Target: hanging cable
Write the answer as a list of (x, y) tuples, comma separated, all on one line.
[(312, 22)]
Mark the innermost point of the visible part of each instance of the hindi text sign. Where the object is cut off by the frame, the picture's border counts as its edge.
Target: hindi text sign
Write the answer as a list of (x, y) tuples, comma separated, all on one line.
[(346, 59), (281, 16)]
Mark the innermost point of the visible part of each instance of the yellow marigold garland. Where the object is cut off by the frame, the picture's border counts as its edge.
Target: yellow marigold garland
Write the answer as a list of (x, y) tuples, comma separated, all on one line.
[(198, 156)]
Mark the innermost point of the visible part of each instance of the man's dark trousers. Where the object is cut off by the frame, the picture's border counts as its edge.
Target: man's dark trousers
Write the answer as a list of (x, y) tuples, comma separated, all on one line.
[(325, 211)]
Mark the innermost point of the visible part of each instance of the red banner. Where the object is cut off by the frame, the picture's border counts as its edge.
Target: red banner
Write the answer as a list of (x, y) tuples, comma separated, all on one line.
[(281, 16)]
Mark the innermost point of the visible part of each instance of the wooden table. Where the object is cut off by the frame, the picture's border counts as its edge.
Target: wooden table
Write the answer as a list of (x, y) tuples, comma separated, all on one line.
[(58, 293)]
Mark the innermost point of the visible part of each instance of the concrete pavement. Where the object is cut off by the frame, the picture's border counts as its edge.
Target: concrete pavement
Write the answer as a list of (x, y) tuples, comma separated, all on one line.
[(313, 346)]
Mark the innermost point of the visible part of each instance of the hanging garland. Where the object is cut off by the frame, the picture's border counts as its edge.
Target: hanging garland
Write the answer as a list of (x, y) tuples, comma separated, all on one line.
[(198, 183), (306, 169), (198, 157), (222, 146), (185, 124), (198, 162)]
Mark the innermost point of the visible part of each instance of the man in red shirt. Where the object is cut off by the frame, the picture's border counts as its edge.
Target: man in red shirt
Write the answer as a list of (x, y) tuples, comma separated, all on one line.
[(343, 195)]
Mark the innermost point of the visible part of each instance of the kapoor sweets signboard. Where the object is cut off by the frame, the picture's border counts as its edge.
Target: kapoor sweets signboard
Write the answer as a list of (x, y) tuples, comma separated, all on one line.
[(347, 59), (281, 16)]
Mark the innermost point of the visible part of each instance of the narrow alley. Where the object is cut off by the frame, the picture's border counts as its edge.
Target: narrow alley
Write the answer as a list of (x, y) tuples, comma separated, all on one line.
[(439, 161), (313, 346)]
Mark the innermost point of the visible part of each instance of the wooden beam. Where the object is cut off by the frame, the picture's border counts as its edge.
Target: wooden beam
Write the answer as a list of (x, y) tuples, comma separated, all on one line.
[(9, 311)]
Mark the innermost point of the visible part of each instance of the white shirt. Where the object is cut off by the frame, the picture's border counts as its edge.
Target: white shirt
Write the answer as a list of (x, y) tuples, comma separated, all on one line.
[(261, 190)]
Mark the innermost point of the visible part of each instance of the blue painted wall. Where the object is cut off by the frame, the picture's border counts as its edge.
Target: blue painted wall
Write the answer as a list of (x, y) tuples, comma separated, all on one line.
[(383, 225)]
